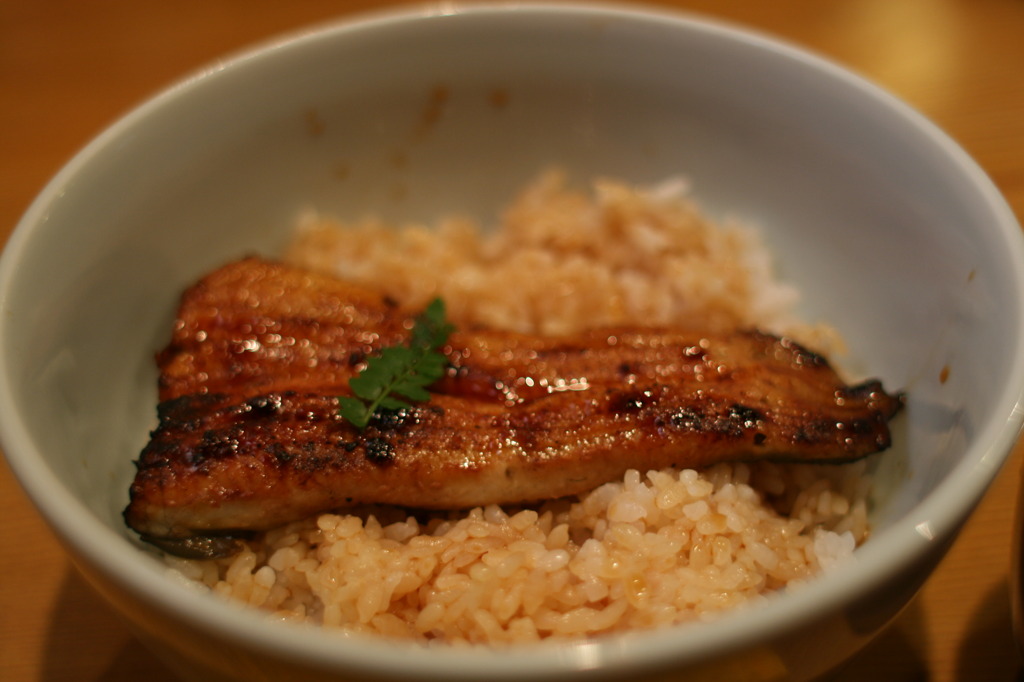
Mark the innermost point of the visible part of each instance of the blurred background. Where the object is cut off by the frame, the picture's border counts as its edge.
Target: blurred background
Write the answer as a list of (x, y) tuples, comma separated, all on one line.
[(70, 68)]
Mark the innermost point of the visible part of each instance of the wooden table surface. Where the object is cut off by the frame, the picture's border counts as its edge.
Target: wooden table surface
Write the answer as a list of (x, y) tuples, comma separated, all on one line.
[(68, 68)]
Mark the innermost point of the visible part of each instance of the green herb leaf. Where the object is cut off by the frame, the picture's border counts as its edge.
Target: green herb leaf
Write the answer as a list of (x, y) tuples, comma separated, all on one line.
[(404, 371)]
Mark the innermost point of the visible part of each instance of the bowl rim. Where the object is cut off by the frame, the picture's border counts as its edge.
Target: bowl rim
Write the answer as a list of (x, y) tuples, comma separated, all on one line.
[(936, 517)]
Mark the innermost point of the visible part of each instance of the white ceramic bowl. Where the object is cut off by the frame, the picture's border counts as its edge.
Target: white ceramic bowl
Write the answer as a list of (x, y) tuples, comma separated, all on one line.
[(885, 224)]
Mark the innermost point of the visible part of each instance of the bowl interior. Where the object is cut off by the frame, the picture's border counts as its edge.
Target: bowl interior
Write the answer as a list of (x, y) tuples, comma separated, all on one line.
[(889, 231)]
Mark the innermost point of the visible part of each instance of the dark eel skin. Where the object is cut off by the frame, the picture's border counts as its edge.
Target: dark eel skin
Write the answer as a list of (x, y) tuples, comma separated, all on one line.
[(249, 435)]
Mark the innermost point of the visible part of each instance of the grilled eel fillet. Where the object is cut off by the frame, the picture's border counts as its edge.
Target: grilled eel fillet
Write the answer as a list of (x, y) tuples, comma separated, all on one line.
[(249, 435)]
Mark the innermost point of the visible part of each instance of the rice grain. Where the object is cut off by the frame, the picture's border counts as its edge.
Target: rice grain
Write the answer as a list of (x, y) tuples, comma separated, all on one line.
[(652, 549)]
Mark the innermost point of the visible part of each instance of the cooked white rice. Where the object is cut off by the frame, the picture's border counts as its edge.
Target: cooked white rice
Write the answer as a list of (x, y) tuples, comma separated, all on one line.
[(652, 549)]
